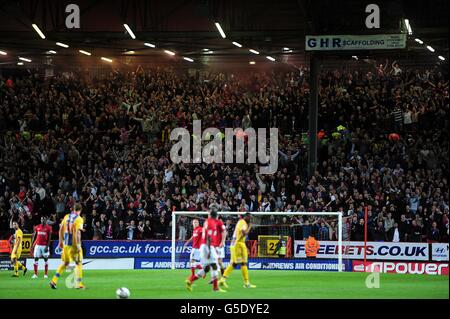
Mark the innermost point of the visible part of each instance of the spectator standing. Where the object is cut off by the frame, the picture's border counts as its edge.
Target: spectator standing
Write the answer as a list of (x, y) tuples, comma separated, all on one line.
[(109, 231), (147, 233), (306, 229), (359, 230), (434, 233), (182, 230), (323, 232), (394, 234), (120, 231), (253, 204), (404, 227), (415, 232), (114, 218), (388, 222), (98, 231), (160, 228), (131, 230), (398, 117), (346, 228), (379, 233), (140, 230), (353, 227), (60, 205)]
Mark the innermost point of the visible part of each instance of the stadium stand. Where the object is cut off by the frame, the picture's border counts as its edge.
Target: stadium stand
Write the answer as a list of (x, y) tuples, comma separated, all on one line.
[(105, 142)]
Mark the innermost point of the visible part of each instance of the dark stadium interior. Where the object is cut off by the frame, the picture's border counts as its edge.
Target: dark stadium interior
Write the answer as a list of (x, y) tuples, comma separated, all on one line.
[(187, 27)]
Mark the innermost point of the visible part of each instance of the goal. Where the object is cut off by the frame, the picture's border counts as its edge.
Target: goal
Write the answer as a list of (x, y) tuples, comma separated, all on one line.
[(268, 229)]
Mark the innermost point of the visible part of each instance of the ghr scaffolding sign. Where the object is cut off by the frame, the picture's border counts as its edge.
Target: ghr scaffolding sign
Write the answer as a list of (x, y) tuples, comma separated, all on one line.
[(355, 42)]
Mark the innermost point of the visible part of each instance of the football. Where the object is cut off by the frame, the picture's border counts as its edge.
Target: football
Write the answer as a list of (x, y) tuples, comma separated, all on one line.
[(122, 293)]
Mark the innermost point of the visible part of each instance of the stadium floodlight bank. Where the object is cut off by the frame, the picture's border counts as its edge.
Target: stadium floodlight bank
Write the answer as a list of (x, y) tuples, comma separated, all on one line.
[(175, 215)]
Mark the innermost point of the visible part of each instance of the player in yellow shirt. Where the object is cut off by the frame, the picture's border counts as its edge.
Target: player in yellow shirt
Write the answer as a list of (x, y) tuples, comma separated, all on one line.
[(239, 254), (70, 242), (17, 251)]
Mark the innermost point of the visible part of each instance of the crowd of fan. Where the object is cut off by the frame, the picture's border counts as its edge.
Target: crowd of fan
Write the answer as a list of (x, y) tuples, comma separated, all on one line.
[(105, 143)]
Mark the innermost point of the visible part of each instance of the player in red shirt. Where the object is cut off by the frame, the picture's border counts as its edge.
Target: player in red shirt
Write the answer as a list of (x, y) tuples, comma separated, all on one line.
[(195, 251), (219, 243), (41, 245), (208, 252)]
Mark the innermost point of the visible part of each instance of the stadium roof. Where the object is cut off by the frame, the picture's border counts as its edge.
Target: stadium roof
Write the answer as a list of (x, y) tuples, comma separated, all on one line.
[(187, 28)]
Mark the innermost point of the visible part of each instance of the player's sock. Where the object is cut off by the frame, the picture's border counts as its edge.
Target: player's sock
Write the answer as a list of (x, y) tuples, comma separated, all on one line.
[(58, 273), (192, 271), (19, 265), (16, 268), (193, 278), (46, 268), (244, 271), (35, 265), (214, 274), (199, 267), (227, 271), (79, 274), (201, 273), (222, 270)]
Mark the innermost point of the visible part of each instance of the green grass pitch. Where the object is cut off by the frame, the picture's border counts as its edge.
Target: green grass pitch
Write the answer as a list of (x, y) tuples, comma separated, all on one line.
[(153, 284)]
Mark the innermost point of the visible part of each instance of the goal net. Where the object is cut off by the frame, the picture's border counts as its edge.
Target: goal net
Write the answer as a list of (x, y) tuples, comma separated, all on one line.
[(276, 239)]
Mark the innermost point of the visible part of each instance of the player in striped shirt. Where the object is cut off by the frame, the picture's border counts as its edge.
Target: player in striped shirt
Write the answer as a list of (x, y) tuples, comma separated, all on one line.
[(70, 242)]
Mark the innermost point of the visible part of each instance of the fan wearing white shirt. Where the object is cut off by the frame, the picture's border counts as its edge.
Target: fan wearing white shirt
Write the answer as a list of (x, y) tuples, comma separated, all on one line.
[(395, 233)]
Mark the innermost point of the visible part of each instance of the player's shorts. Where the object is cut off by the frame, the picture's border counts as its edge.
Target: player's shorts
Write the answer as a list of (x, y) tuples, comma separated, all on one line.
[(204, 250), (195, 254), (17, 254), (70, 254), (239, 253), (40, 251), (220, 252)]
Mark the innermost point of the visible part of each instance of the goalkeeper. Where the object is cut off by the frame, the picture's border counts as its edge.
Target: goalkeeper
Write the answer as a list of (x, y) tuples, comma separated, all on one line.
[(239, 254)]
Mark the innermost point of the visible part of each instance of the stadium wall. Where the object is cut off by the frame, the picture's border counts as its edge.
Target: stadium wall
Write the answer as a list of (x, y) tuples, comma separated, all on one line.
[(387, 257), (93, 263), (253, 264), (388, 251), (375, 250), (397, 267)]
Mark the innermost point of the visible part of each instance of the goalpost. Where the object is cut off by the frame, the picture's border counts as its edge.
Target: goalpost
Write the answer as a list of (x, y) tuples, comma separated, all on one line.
[(175, 215)]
